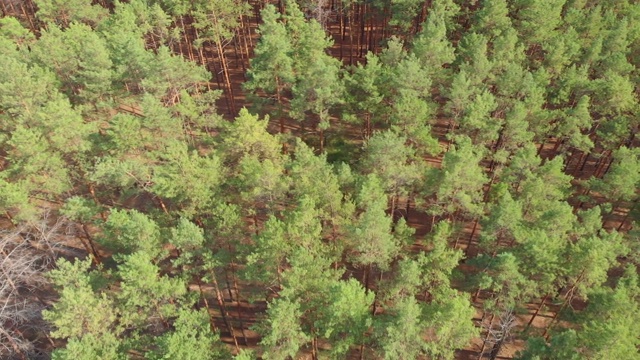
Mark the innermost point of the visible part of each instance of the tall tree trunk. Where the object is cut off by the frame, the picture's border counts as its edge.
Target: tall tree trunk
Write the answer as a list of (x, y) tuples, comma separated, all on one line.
[(363, 23), (186, 40), (408, 207), (393, 207), (239, 310), (227, 78), (626, 216), (486, 338), (584, 163), (342, 31), (541, 147), (537, 310), (554, 152), (225, 68), (212, 324), (31, 24), (473, 231), (496, 349), (350, 19), (96, 257), (223, 309), (567, 299)]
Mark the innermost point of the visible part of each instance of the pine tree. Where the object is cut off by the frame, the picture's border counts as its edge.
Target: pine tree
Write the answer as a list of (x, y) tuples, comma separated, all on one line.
[(79, 58), (283, 336), (387, 156), (318, 87), (191, 339), (131, 231), (432, 46), (82, 311), (401, 335), (458, 184), (364, 93), (67, 12), (271, 68), (145, 296), (370, 234)]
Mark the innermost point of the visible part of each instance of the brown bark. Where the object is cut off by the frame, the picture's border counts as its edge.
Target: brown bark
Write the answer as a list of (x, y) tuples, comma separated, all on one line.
[(92, 250), (225, 68), (239, 308), (473, 231), (626, 216), (31, 24), (186, 40), (537, 310), (223, 309), (206, 303), (486, 338), (567, 299), (92, 191)]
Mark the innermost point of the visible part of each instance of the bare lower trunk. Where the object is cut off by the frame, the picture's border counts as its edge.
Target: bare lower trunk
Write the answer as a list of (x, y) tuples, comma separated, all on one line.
[(538, 310), (238, 306), (486, 338), (223, 309), (206, 303), (473, 231)]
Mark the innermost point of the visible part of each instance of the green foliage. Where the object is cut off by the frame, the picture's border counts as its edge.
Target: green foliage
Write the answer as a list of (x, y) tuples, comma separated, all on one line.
[(370, 234), (561, 346), (89, 347), (590, 260), (248, 135), (394, 163), (401, 335), (171, 74), (16, 201), (364, 90), (473, 57), (192, 339), (65, 12), (622, 180), (282, 334), (81, 310), (505, 279), (218, 20), (144, 294), (493, 18), (347, 317), (432, 47), (458, 184), (403, 13), (80, 209), (451, 321), (79, 58), (12, 30), (537, 20), (612, 319), (608, 327), (272, 65), (438, 264), (131, 231), (189, 179), (318, 87), (312, 177)]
